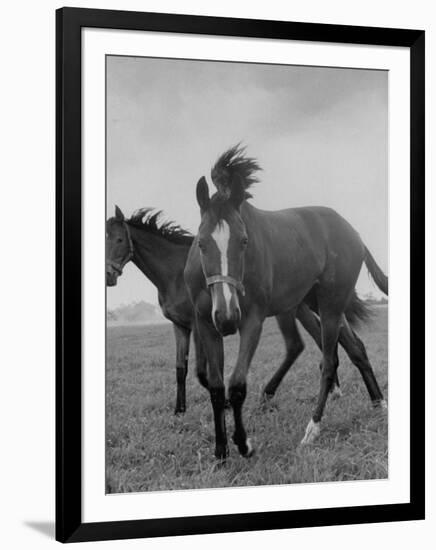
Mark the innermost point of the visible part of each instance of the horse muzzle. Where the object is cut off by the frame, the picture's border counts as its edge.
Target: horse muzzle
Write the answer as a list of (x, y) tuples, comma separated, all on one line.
[(226, 324), (226, 313), (111, 276)]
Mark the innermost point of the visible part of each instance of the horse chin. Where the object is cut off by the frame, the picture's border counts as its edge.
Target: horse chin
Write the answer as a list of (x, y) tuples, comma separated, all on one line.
[(227, 328), (111, 279)]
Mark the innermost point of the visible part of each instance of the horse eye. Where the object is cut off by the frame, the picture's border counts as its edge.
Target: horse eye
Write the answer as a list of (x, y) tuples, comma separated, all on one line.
[(119, 240)]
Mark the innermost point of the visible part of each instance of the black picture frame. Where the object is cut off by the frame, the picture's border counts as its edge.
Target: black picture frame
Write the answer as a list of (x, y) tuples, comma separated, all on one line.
[(69, 22)]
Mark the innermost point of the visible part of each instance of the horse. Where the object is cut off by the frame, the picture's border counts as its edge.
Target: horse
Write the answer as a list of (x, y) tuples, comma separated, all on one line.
[(160, 249), (246, 264)]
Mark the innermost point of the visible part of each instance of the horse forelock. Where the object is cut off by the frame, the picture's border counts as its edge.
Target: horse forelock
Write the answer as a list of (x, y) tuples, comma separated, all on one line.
[(234, 167), (220, 208)]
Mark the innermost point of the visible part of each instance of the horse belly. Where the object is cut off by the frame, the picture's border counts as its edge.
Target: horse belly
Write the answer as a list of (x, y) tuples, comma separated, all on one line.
[(289, 289), (288, 298)]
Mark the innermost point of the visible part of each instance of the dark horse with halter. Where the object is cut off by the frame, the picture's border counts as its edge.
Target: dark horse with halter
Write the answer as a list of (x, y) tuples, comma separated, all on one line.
[(247, 264), (160, 250)]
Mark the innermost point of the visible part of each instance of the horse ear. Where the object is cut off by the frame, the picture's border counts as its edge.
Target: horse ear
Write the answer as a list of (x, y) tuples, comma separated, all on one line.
[(203, 194), (237, 194), (118, 214)]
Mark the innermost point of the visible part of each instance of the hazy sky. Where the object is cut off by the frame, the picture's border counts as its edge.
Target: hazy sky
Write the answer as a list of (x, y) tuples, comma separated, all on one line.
[(320, 135)]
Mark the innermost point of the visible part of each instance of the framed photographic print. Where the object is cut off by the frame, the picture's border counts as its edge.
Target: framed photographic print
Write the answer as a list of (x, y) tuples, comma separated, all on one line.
[(240, 274)]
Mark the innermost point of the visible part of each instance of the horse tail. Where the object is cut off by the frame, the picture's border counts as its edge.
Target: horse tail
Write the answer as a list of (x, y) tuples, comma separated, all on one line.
[(357, 311), (377, 274)]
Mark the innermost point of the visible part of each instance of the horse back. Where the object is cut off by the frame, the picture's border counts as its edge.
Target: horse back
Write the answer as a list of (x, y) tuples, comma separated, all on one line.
[(296, 248)]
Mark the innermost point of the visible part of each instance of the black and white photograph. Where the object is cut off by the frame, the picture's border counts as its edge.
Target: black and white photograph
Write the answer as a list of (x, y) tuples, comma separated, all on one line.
[(247, 267), (217, 278)]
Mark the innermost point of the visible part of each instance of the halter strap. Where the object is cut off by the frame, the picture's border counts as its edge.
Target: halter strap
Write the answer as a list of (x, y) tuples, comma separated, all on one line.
[(129, 237), (226, 279), (119, 266)]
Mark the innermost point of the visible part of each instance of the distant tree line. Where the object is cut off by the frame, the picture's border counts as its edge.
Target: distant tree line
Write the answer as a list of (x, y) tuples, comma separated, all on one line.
[(136, 312), (369, 298)]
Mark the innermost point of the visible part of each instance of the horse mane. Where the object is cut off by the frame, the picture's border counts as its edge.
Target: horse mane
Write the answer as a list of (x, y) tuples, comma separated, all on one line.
[(234, 166), (151, 220)]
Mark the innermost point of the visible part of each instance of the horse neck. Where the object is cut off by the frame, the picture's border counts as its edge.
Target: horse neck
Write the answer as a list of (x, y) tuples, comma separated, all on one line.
[(162, 261), (249, 214)]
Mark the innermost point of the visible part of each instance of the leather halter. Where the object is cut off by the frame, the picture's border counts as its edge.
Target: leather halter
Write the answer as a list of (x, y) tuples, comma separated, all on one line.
[(226, 279), (119, 266)]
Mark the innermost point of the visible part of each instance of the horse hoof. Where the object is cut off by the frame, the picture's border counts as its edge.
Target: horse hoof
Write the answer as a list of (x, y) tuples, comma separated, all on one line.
[(266, 400), (267, 396), (250, 449), (221, 453), (179, 411), (336, 392), (380, 404), (312, 433), (245, 448)]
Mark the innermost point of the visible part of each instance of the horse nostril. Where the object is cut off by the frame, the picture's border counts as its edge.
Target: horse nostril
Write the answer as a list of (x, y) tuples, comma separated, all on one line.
[(217, 318), (225, 325), (110, 279)]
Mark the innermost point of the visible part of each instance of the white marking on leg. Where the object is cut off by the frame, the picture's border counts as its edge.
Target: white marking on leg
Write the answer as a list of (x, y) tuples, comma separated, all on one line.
[(221, 236), (383, 404), (312, 432), (249, 447), (336, 392)]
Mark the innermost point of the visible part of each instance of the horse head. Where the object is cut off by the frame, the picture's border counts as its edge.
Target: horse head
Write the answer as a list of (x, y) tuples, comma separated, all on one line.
[(222, 240), (119, 247)]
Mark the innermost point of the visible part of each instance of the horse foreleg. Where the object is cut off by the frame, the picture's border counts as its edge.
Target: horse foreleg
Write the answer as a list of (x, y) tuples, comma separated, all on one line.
[(182, 335), (250, 331), (212, 344), (200, 360)]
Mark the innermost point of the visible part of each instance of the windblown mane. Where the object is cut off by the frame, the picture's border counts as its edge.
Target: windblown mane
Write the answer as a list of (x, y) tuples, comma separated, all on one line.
[(233, 166), (151, 220)]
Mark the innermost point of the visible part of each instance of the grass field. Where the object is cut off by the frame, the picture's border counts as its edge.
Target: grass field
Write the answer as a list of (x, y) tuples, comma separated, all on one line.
[(150, 449)]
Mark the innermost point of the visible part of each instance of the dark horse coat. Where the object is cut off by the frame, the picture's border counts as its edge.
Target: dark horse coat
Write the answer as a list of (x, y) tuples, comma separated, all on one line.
[(247, 264), (160, 249)]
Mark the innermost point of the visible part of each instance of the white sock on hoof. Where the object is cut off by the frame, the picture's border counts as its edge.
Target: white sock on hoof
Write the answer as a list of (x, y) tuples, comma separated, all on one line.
[(383, 404), (336, 392), (249, 446), (312, 432)]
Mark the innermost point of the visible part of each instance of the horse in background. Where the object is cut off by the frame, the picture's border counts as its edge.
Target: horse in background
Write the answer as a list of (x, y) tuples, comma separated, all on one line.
[(247, 264), (159, 250)]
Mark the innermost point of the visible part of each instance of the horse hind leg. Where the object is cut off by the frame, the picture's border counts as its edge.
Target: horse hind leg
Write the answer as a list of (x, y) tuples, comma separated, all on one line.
[(330, 321), (294, 347), (357, 354), (311, 324)]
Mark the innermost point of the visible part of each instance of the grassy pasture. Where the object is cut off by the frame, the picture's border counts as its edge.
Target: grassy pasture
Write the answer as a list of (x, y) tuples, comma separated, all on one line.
[(150, 449)]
